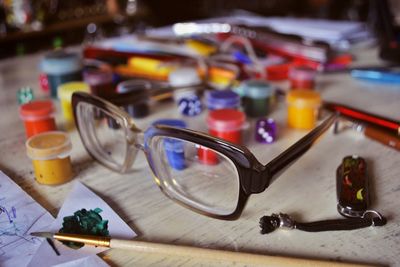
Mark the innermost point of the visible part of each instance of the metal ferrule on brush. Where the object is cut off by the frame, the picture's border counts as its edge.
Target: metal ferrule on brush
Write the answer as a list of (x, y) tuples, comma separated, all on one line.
[(100, 241)]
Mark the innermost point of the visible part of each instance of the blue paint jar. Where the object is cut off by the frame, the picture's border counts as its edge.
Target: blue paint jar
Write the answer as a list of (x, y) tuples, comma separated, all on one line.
[(61, 67), (174, 149), (225, 99)]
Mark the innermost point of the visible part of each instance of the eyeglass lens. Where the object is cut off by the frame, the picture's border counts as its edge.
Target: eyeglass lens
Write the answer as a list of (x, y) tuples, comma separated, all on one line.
[(197, 176)]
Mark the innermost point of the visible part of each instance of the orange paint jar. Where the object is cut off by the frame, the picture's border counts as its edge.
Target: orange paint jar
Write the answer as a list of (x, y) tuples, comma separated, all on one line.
[(303, 107), (50, 154), (38, 117)]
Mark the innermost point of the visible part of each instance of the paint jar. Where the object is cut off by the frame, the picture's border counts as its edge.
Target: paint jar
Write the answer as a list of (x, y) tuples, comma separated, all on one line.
[(302, 78), (50, 154), (174, 148), (256, 97), (100, 82), (226, 124), (225, 99), (65, 92), (128, 97), (303, 107), (188, 101), (38, 117), (61, 67)]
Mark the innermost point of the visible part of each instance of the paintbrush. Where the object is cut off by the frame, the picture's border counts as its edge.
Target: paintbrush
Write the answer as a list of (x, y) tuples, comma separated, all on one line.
[(202, 253)]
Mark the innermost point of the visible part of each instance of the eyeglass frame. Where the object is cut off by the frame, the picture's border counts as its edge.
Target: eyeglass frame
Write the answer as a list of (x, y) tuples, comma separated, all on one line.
[(254, 177)]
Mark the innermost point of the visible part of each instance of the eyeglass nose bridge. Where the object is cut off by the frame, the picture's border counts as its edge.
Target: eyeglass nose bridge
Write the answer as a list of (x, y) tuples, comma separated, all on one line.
[(135, 140)]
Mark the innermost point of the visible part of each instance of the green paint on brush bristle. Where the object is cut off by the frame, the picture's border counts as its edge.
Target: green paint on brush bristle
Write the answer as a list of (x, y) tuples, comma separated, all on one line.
[(84, 222)]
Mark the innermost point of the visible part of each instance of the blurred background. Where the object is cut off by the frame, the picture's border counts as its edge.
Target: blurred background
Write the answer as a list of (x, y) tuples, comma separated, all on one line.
[(27, 26)]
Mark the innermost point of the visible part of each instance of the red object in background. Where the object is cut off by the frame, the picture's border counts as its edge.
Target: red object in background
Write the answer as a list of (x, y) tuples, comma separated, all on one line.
[(116, 57), (225, 124), (38, 117), (302, 77), (344, 59), (44, 82)]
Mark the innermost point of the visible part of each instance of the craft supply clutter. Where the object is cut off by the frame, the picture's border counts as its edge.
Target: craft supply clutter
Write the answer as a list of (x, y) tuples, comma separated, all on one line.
[(221, 112)]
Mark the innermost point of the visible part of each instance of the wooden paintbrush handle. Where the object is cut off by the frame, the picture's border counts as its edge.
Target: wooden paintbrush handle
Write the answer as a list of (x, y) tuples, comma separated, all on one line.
[(221, 255)]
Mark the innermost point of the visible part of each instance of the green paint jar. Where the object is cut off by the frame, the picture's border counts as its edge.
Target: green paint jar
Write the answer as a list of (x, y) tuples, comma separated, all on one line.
[(256, 97)]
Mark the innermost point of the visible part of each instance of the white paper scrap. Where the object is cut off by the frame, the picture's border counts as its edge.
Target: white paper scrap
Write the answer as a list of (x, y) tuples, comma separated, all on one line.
[(19, 216)]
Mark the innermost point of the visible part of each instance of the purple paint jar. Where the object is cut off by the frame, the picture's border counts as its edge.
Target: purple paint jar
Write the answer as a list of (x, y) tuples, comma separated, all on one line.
[(225, 99), (100, 82)]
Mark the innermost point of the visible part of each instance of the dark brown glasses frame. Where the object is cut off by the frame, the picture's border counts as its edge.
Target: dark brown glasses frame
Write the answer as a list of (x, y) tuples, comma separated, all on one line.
[(254, 177)]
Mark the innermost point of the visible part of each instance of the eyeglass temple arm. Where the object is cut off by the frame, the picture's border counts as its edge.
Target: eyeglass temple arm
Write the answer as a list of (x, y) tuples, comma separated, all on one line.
[(278, 164)]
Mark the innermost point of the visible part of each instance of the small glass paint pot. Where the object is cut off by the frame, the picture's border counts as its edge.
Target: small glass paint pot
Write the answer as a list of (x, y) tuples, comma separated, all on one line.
[(61, 67), (226, 124), (302, 78), (174, 149), (303, 107), (38, 117), (65, 92), (128, 90), (100, 82), (50, 154), (225, 99), (256, 97), (188, 101)]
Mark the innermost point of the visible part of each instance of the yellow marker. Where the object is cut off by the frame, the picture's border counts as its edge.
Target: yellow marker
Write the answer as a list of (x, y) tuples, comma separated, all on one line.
[(65, 92), (360, 194), (303, 108), (200, 47), (50, 154), (150, 66)]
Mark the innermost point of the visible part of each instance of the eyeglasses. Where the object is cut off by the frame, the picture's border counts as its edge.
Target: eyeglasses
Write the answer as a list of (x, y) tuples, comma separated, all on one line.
[(218, 188)]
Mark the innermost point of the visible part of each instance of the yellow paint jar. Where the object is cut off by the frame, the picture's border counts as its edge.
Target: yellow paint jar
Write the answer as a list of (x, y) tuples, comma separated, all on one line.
[(65, 92), (303, 108), (50, 154)]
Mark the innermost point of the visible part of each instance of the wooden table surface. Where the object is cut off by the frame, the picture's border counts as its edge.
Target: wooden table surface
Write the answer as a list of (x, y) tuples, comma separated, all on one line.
[(306, 190)]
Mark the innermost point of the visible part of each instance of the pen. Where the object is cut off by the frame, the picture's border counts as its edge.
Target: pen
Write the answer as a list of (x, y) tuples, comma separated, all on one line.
[(202, 253), (383, 76), (351, 113)]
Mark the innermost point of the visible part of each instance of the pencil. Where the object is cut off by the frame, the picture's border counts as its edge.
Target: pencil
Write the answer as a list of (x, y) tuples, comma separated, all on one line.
[(365, 117), (203, 253)]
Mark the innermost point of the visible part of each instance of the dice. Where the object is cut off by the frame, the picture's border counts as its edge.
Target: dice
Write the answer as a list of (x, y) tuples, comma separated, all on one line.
[(265, 131), (190, 106)]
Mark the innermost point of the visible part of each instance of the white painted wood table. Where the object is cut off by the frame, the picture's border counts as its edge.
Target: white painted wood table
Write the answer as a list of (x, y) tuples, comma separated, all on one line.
[(306, 190)]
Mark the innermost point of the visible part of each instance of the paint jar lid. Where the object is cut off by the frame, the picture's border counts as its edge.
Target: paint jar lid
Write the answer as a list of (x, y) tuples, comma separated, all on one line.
[(184, 77), (302, 73), (48, 145), (36, 110), (226, 120), (95, 77), (171, 122), (254, 89), (66, 90), (222, 99), (303, 98), (61, 62), (133, 86)]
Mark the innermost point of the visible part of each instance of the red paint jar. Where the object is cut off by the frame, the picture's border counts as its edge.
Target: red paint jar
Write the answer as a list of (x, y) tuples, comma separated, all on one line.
[(38, 117), (226, 124), (302, 78)]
